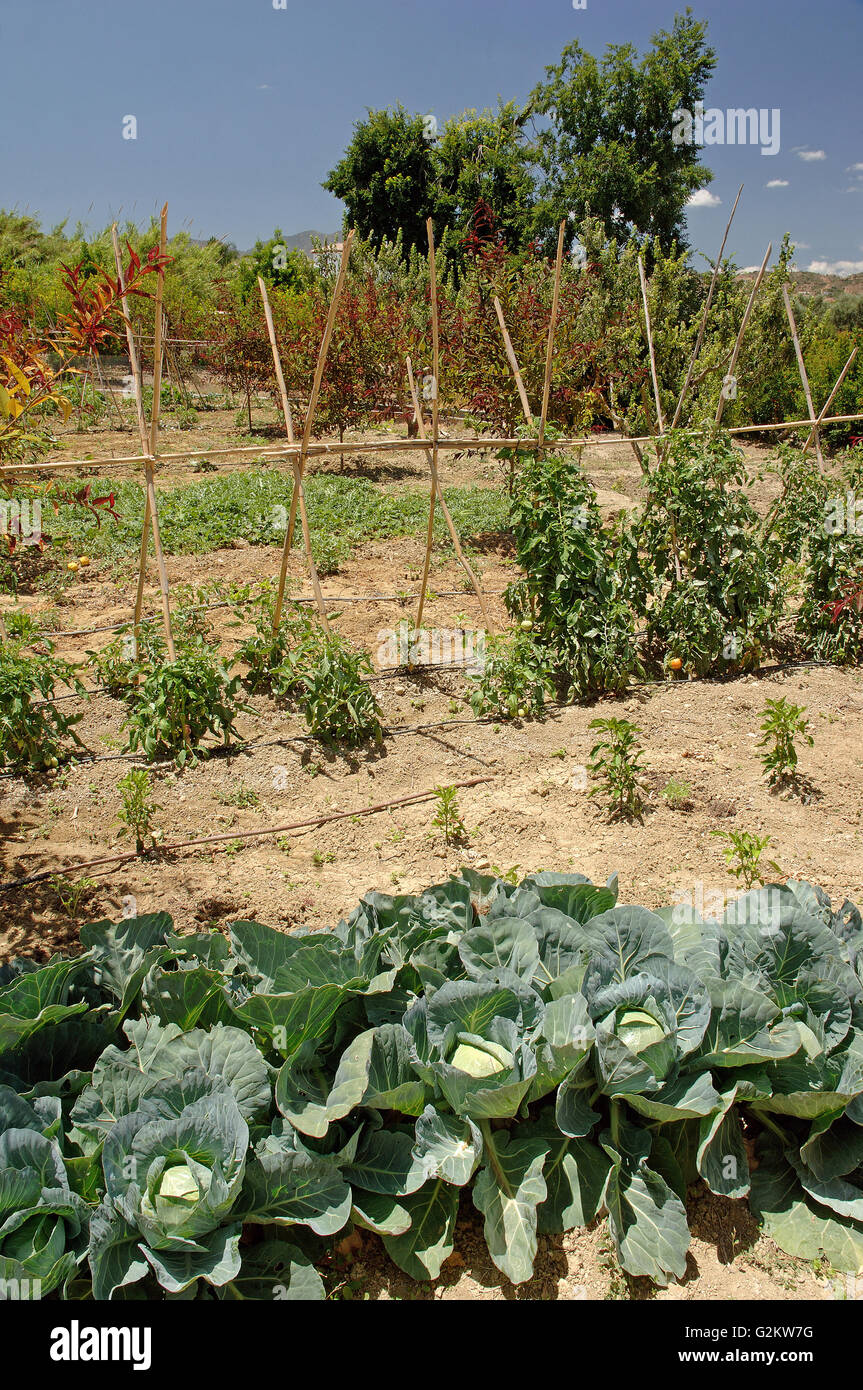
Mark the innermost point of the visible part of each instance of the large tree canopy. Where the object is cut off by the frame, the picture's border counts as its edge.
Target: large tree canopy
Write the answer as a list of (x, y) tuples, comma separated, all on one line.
[(595, 139), (605, 149), (399, 170)]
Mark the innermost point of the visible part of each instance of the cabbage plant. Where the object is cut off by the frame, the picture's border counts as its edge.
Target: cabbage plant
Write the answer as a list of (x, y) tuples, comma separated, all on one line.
[(202, 1116)]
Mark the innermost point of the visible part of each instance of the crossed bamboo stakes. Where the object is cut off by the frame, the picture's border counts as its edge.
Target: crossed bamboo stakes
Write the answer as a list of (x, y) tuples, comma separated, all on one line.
[(298, 454)]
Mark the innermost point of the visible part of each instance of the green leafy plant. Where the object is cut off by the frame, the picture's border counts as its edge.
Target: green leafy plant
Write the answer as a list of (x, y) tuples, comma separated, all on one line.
[(781, 724), (73, 892), (573, 594), (616, 766), (743, 852), (335, 697), (515, 680), (447, 816), (178, 703), (137, 810), (35, 732)]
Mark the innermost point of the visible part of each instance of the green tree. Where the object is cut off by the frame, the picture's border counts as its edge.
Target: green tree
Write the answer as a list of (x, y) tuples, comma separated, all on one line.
[(284, 269), (386, 178), (605, 148), (482, 157), (398, 170)]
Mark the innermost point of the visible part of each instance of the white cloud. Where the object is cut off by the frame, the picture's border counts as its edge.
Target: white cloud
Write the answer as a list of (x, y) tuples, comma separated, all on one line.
[(854, 169), (264, 87), (841, 268), (810, 155), (703, 198), (750, 269), (776, 183)]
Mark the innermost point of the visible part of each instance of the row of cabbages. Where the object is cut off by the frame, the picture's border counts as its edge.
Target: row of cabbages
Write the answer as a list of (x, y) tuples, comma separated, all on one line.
[(200, 1117)]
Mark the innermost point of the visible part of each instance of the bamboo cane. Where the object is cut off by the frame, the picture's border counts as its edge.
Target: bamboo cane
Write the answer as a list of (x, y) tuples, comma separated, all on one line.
[(137, 380), (298, 482), (319, 373), (485, 443), (307, 424), (659, 415), (148, 463), (549, 351), (829, 401), (513, 362), (733, 363), (443, 506), (802, 369), (435, 416), (702, 326)]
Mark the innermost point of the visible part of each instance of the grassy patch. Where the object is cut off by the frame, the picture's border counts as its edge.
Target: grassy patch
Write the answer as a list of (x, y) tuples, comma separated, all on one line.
[(343, 513)]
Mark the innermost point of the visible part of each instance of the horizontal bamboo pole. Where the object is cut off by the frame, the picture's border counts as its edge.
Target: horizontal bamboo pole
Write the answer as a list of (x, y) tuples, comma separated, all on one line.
[(390, 446)]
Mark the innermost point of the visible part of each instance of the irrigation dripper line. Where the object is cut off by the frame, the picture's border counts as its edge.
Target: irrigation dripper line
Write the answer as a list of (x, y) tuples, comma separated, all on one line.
[(51, 633), (232, 836), (393, 673), (218, 750)]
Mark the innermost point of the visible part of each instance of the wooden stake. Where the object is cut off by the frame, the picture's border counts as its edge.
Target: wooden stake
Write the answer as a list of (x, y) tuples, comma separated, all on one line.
[(733, 363), (546, 389), (148, 463), (802, 369), (319, 373), (443, 506), (137, 378), (659, 415), (435, 415), (298, 482), (513, 362), (829, 402), (701, 327)]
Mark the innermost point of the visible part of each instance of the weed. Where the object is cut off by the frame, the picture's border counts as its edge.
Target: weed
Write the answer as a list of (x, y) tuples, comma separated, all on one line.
[(447, 816), (137, 810), (677, 794), (72, 892)]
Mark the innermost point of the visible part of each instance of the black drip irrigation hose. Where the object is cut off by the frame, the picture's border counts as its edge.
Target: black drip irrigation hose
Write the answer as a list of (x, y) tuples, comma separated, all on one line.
[(394, 730), (52, 633)]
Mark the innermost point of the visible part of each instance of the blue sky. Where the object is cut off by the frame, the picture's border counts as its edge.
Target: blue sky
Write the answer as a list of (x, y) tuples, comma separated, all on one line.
[(242, 109)]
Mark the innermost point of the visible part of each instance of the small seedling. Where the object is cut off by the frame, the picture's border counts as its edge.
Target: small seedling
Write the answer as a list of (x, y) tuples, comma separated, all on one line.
[(447, 816), (616, 768), (677, 794), (72, 892), (780, 725), (743, 854), (137, 811), (243, 798)]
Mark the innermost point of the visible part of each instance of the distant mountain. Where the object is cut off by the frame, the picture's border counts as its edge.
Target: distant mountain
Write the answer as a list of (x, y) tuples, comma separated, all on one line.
[(302, 241), (808, 282)]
